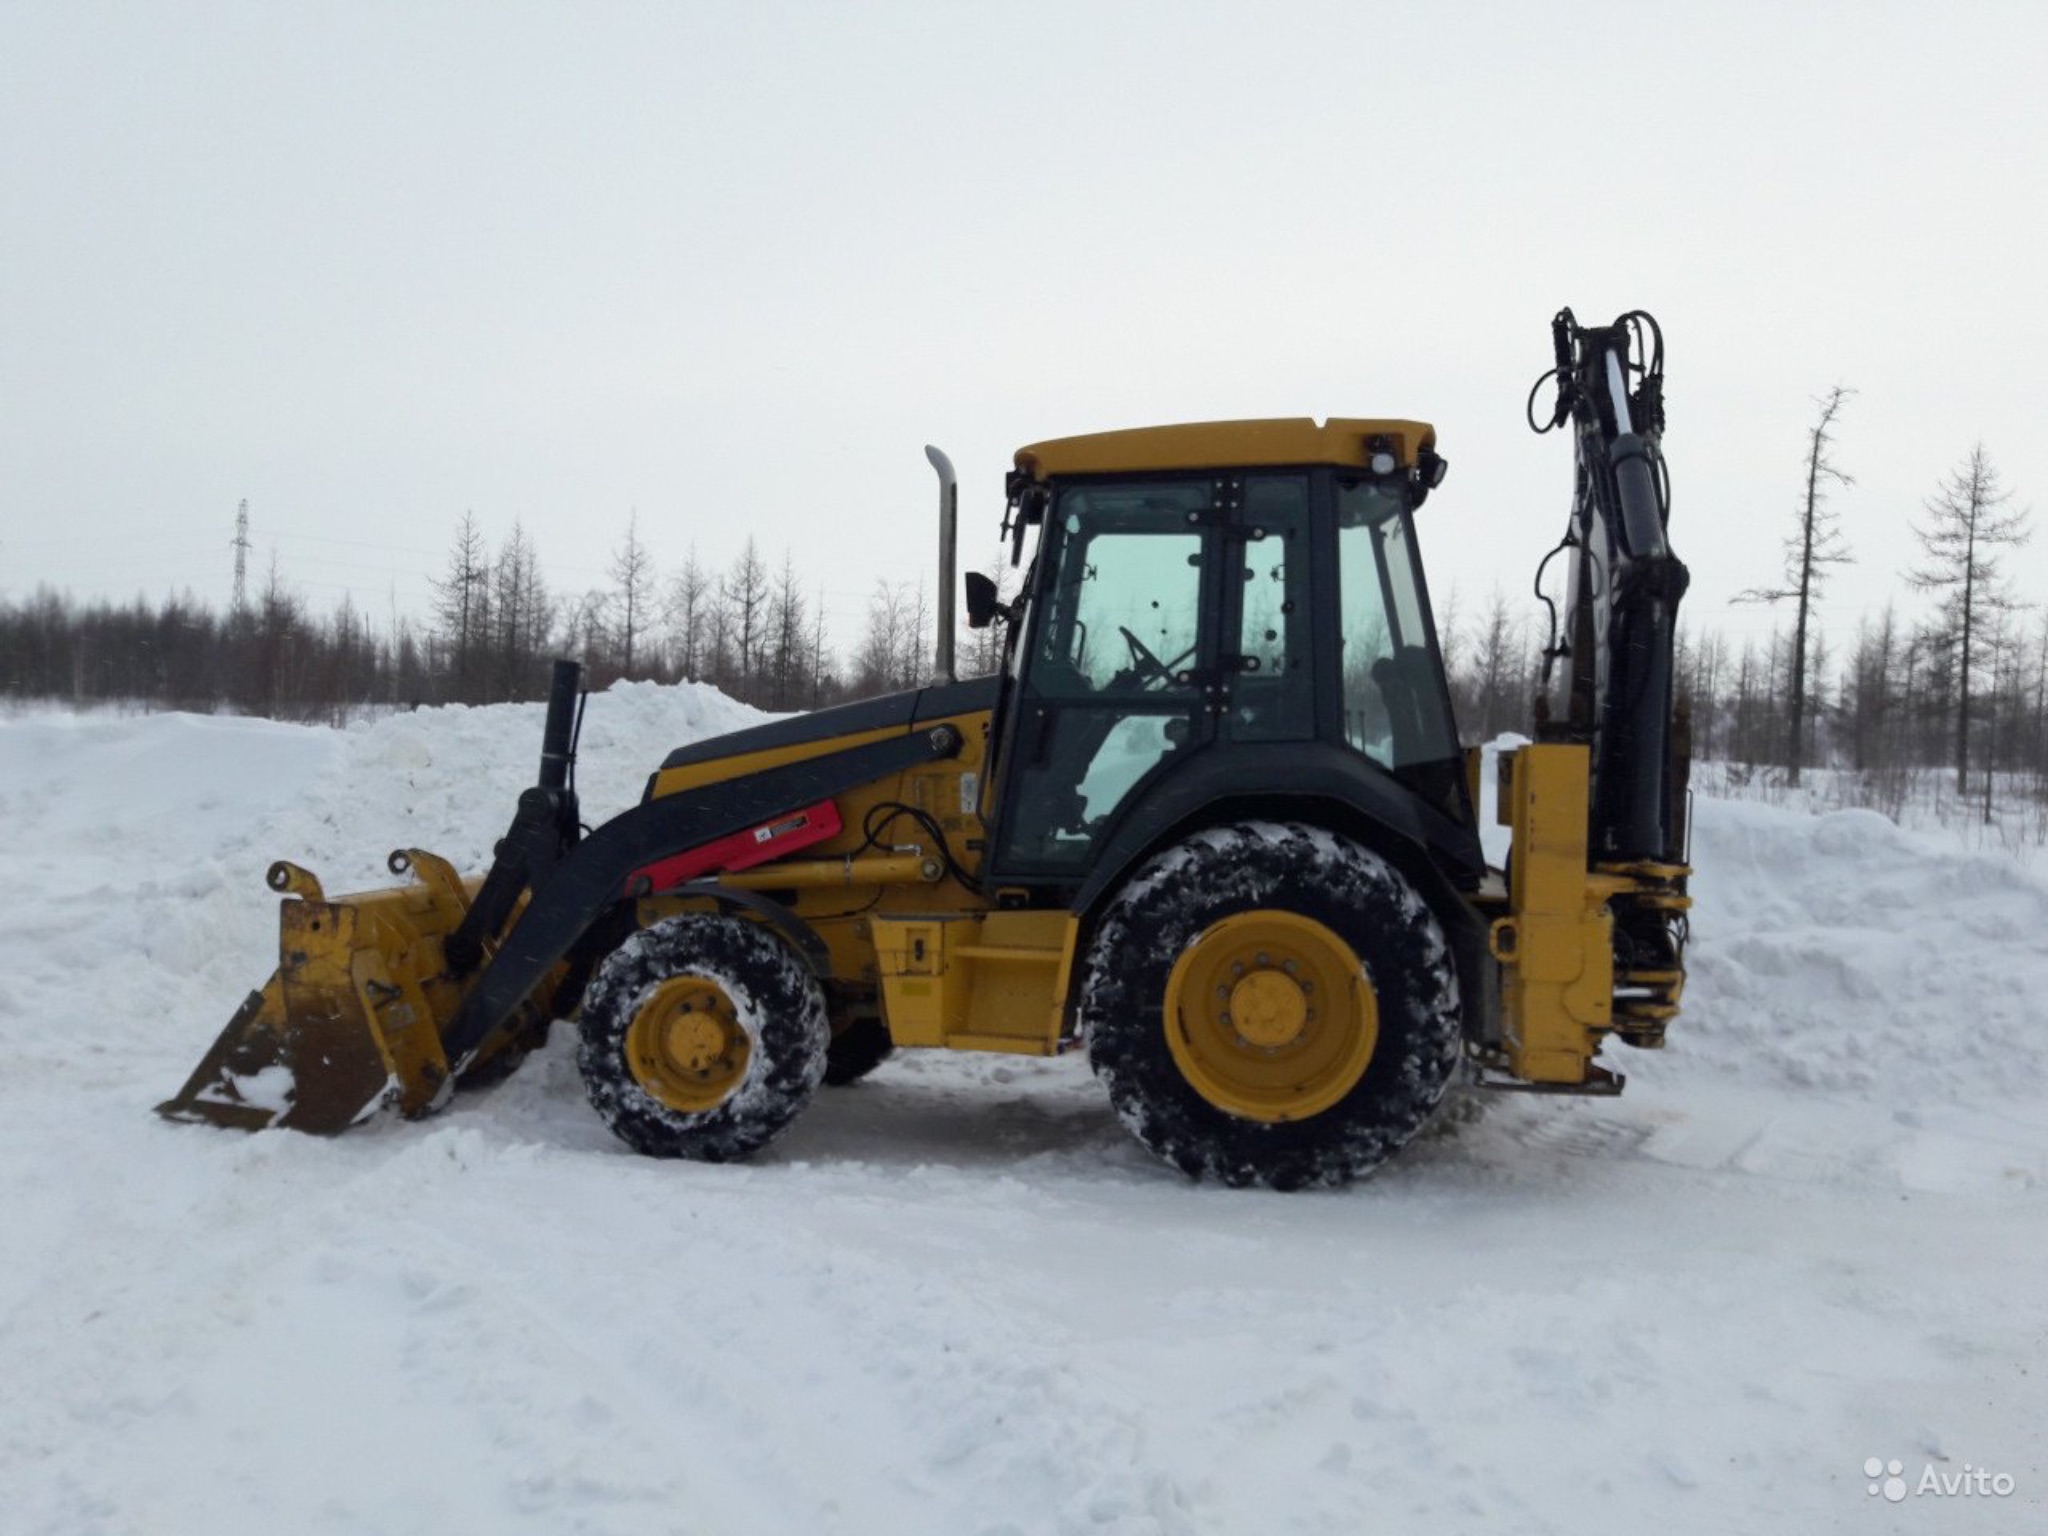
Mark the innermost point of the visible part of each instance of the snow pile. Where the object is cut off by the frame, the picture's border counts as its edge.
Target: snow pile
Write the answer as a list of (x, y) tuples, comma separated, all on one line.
[(1847, 955), (2015, 823), (958, 1298), (447, 779)]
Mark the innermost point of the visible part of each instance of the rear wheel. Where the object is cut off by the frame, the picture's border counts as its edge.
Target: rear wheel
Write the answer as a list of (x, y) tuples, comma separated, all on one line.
[(702, 1037), (1272, 1004)]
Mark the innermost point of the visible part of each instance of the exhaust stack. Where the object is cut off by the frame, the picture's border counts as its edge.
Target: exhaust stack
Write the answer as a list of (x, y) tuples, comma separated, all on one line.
[(949, 535)]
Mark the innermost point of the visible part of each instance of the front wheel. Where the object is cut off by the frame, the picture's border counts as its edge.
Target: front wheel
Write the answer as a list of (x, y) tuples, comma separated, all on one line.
[(702, 1037), (1270, 1003)]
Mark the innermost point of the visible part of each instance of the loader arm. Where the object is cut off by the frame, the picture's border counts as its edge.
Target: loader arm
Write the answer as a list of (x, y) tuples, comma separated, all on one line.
[(608, 866), (544, 829)]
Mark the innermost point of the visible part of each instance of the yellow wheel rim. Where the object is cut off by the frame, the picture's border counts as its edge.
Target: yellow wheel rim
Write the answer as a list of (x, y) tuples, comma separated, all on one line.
[(685, 1046), (1269, 1016)]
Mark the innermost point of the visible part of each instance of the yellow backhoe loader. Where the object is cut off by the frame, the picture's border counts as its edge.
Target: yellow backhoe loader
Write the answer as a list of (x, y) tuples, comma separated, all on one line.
[(1211, 823)]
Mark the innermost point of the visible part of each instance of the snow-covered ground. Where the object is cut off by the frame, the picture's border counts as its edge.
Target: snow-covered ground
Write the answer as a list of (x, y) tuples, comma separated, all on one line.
[(957, 1299)]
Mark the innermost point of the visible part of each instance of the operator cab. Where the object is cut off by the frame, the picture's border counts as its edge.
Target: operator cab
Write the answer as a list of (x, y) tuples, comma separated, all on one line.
[(1250, 586)]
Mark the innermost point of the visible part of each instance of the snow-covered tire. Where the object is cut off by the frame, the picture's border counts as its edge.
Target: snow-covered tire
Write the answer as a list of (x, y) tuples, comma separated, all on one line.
[(1315, 1096), (702, 1037), (856, 1051)]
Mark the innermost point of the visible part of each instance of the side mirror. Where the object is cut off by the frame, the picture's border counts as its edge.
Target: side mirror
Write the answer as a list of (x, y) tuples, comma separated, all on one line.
[(982, 606), (1430, 468)]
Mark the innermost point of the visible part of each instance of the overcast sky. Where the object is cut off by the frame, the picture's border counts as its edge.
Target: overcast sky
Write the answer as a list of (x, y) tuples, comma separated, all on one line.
[(732, 265)]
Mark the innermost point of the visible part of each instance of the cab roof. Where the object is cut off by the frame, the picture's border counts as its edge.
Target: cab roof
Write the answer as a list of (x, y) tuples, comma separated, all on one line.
[(1342, 440)]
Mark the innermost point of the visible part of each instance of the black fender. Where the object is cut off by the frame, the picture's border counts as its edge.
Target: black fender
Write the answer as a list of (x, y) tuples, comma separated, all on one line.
[(1328, 786), (891, 711)]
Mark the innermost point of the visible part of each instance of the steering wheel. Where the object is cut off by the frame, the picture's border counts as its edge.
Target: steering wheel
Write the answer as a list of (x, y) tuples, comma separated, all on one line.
[(1146, 668), (1143, 661)]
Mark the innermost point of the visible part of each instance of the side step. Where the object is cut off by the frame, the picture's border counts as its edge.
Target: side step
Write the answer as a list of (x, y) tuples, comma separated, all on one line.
[(1599, 1084), (994, 981)]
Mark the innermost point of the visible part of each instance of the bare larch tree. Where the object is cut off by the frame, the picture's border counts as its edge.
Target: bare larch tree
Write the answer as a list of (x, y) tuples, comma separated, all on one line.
[(746, 590), (462, 604), (689, 615), (1968, 526), (1814, 545), (633, 582)]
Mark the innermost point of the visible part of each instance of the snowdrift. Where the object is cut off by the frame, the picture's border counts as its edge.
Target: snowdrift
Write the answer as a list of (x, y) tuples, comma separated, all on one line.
[(956, 1299)]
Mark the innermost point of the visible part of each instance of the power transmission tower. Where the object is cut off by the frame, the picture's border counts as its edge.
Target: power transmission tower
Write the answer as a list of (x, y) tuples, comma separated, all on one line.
[(241, 544)]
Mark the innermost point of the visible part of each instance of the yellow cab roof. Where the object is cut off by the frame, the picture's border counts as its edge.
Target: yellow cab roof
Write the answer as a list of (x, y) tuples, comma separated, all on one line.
[(1340, 441)]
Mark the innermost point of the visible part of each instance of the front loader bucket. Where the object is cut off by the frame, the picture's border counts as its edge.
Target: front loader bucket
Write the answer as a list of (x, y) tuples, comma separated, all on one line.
[(351, 1022)]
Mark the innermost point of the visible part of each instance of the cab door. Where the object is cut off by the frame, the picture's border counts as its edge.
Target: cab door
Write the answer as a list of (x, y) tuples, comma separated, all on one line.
[(1116, 668)]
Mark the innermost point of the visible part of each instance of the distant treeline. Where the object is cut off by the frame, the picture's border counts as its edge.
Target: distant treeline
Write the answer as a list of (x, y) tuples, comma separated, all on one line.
[(1963, 685), (753, 632), (1886, 700), (1886, 704)]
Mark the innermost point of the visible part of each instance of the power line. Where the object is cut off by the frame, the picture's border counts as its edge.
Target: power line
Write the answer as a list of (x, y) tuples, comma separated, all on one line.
[(324, 538)]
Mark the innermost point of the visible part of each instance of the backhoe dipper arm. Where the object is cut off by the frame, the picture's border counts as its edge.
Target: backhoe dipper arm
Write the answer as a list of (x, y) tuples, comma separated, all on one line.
[(1622, 620)]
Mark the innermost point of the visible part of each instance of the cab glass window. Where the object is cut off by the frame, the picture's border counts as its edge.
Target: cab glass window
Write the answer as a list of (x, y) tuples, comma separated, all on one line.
[(1124, 608), (1395, 710), (1271, 691)]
